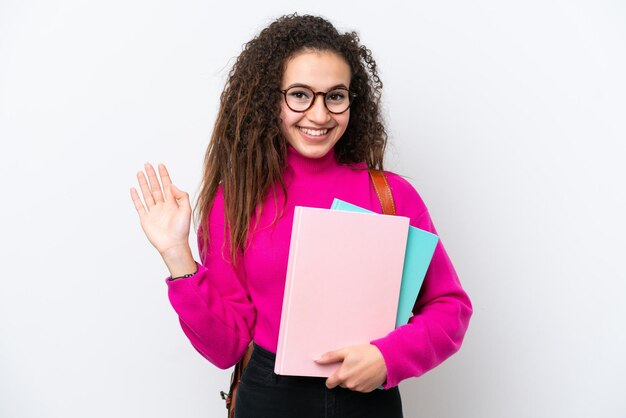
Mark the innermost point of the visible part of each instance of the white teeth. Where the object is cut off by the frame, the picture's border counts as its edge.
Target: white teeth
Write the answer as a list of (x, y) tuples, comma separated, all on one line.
[(314, 132)]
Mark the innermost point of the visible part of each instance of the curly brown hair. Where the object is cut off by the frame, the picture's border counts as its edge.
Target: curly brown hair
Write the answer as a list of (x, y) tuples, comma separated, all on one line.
[(247, 152)]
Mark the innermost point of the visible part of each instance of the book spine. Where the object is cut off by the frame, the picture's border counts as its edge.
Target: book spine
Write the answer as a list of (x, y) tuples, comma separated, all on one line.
[(293, 249)]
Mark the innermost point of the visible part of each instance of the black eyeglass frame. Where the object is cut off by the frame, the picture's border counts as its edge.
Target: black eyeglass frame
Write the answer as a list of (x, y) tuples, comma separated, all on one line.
[(351, 97)]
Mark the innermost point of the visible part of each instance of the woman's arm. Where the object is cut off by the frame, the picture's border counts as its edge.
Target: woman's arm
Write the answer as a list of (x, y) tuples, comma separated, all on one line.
[(434, 332), (443, 309), (213, 306)]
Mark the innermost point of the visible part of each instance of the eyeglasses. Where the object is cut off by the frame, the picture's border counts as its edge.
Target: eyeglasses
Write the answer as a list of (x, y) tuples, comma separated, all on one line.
[(301, 98)]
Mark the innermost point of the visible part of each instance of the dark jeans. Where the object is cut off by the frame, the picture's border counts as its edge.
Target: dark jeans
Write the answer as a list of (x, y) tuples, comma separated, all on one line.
[(264, 394)]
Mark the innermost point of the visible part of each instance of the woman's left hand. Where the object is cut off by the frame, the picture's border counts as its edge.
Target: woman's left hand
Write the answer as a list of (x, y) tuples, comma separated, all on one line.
[(363, 368)]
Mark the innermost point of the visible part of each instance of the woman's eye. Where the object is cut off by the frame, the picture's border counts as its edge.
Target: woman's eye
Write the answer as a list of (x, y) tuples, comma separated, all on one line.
[(301, 95), (336, 96)]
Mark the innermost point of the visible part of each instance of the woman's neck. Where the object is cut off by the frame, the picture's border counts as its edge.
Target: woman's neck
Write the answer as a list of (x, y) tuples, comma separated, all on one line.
[(301, 164)]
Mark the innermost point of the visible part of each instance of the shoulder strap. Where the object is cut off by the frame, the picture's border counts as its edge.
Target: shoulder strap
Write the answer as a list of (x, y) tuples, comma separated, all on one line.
[(235, 378), (379, 180)]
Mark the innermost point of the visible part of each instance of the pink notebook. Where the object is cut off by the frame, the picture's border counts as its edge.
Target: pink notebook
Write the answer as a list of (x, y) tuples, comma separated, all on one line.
[(343, 281)]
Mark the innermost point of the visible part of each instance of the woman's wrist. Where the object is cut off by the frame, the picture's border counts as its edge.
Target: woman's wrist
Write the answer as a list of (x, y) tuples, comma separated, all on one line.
[(179, 261), (184, 276)]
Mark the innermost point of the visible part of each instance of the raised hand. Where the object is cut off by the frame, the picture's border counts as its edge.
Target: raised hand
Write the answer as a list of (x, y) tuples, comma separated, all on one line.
[(165, 216)]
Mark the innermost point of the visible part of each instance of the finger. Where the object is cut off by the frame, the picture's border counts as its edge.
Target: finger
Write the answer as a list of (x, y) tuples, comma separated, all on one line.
[(145, 190), (165, 176), (155, 186), (336, 379), (182, 198), (331, 357), (137, 201), (332, 382)]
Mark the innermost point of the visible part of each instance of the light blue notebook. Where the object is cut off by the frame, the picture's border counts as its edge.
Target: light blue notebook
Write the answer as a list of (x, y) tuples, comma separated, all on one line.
[(419, 251)]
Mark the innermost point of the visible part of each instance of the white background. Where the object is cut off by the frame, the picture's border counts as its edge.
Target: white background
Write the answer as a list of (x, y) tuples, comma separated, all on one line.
[(508, 117)]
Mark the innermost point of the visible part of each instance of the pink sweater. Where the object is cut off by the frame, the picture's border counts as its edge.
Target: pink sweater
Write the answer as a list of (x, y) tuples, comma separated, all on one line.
[(222, 308)]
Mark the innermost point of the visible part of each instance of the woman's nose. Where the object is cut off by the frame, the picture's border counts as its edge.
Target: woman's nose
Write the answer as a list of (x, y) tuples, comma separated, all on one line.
[(318, 112)]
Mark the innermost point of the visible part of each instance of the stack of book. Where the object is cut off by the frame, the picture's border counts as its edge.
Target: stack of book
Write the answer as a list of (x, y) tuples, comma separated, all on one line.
[(352, 277)]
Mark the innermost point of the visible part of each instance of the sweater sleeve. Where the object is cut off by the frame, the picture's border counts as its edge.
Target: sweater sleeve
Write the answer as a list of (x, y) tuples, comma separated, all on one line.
[(213, 306), (441, 313)]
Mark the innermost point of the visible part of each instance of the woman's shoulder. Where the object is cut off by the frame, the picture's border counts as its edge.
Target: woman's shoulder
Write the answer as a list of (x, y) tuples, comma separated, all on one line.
[(215, 215), (407, 199)]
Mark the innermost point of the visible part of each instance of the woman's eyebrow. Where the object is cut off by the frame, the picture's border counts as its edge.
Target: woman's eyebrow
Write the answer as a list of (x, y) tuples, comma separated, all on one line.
[(298, 85), (336, 86)]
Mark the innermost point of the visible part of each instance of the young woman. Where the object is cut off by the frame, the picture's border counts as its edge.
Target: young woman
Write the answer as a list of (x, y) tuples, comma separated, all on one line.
[(299, 124)]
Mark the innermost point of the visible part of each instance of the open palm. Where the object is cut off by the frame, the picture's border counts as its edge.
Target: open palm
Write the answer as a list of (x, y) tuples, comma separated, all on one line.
[(165, 212)]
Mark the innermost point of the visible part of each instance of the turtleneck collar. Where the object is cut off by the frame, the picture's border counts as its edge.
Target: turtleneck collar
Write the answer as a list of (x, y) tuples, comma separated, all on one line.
[(302, 164)]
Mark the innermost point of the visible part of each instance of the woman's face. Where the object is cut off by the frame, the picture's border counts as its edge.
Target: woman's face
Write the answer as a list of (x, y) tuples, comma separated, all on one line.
[(316, 131)]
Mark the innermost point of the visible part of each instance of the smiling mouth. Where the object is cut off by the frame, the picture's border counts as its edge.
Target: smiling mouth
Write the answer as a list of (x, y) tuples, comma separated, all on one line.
[(314, 132)]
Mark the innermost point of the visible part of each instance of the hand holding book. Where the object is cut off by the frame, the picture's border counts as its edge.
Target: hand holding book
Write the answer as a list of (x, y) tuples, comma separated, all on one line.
[(362, 368)]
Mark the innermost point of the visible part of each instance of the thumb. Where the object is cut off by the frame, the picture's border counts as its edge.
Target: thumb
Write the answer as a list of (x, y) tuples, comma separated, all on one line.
[(181, 197), (331, 357)]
